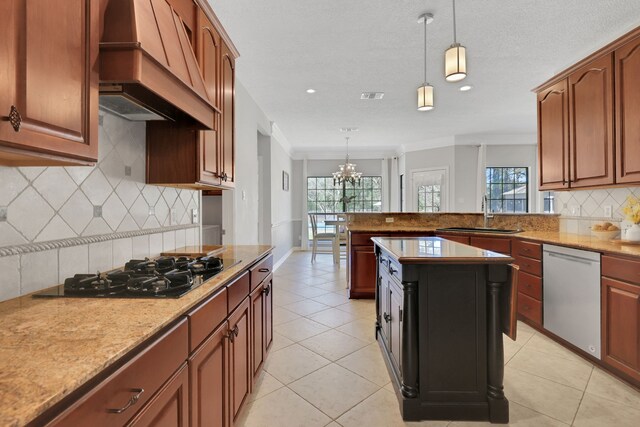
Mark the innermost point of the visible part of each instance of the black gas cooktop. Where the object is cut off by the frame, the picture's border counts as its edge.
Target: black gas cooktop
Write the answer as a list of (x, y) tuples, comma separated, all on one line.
[(164, 277)]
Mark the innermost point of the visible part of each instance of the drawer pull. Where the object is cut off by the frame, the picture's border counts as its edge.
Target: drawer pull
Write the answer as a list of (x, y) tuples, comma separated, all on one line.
[(392, 270), (263, 270), (387, 318), (134, 399), (14, 118), (233, 333), (266, 290)]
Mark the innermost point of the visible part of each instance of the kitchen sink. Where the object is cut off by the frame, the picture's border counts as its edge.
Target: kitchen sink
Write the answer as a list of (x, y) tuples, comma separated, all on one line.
[(479, 230)]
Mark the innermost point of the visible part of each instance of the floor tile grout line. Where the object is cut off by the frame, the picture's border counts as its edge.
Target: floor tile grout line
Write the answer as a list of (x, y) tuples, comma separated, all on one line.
[(582, 397), (545, 378)]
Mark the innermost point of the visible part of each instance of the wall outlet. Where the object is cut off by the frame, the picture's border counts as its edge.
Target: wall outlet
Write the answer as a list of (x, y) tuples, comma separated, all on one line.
[(173, 220), (575, 210), (194, 216), (389, 219), (608, 211)]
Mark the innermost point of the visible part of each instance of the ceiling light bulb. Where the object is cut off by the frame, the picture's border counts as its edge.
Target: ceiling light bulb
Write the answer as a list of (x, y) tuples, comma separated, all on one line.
[(465, 88), (311, 91)]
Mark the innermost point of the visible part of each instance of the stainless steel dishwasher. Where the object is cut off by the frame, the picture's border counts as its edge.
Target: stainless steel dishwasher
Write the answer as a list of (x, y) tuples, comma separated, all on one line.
[(572, 296)]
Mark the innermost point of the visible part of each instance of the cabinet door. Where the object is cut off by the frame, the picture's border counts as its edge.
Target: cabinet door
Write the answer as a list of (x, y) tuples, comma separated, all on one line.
[(268, 314), (228, 117), (50, 77), (395, 325), (627, 69), (553, 137), (363, 272), (494, 244), (170, 407), (209, 381), (257, 329), (383, 301), (240, 357), (591, 124), (209, 57), (621, 326)]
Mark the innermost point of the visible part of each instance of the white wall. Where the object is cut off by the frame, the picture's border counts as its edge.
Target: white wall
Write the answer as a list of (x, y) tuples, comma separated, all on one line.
[(284, 231), (212, 210)]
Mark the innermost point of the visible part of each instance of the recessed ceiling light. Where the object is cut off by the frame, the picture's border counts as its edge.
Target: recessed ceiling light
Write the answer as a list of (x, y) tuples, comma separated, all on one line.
[(465, 88), (311, 91)]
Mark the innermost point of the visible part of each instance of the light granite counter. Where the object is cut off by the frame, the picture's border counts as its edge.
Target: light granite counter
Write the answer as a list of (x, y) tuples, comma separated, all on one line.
[(50, 347)]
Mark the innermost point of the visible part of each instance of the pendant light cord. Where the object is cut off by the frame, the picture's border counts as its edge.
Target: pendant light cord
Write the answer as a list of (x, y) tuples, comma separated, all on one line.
[(455, 39), (425, 50)]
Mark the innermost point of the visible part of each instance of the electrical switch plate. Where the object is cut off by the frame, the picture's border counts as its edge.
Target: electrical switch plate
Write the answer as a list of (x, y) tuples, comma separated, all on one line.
[(194, 216), (244, 195), (575, 210), (608, 211), (152, 210), (389, 219), (173, 220)]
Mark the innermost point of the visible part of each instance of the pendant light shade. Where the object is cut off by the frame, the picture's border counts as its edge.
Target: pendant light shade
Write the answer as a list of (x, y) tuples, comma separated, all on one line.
[(455, 58), (425, 92), (455, 63), (425, 97)]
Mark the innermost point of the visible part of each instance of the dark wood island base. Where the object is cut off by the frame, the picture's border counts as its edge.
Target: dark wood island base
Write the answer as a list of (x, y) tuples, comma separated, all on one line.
[(441, 309)]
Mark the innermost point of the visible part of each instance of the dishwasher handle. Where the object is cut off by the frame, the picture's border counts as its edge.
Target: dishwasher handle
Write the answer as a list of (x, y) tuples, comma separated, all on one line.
[(571, 258)]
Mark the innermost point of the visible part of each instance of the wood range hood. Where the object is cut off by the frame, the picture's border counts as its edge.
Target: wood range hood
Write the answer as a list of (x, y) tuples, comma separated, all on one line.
[(148, 69)]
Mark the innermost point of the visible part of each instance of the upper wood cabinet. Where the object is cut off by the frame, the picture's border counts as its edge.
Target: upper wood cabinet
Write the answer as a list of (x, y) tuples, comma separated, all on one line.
[(588, 131), (553, 136), (228, 117), (591, 124), (627, 70), (49, 82)]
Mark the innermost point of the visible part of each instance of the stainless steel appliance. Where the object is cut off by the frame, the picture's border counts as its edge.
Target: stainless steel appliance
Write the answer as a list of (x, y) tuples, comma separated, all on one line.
[(572, 296)]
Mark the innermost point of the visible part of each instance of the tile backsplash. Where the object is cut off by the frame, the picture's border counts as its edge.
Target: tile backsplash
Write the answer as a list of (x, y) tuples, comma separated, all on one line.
[(581, 209), (45, 204)]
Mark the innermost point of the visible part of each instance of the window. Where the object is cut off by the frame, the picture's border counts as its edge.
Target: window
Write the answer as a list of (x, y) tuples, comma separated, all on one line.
[(549, 202), (327, 200), (508, 189), (429, 198)]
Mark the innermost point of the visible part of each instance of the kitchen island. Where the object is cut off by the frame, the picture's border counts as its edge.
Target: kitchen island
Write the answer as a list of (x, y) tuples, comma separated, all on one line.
[(441, 309)]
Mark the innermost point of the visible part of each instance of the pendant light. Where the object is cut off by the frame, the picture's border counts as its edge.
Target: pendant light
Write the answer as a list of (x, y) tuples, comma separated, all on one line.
[(425, 92), (455, 58)]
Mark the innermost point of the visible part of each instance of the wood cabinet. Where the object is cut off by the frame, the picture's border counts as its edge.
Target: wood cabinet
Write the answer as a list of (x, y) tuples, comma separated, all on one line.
[(257, 329), (49, 84), (209, 381), (494, 244), (183, 157), (239, 357), (553, 137), (362, 284), (620, 299), (455, 238), (591, 124), (528, 256), (268, 314), (627, 94)]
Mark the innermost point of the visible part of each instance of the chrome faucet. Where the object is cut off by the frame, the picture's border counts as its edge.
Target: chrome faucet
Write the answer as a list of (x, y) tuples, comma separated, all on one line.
[(485, 210)]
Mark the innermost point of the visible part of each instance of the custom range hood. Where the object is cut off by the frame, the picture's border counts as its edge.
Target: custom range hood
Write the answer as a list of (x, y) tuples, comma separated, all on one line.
[(148, 69)]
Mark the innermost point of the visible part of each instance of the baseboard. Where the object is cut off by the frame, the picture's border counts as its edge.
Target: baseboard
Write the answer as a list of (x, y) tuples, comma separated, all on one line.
[(284, 258)]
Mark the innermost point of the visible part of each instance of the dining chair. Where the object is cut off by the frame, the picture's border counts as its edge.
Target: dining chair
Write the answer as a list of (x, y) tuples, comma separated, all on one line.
[(327, 237)]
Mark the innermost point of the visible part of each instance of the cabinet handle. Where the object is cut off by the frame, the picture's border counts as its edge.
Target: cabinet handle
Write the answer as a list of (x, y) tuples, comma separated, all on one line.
[(233, 333), (263, 270), (392, 270), (386, 317), (236, 330), (266, 290), (14, 118), (384, 261), (132, 401)]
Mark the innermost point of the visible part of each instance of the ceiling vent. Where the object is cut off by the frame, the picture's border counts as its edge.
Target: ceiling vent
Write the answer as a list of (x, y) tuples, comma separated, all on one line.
[(349, 129), (372, 95)]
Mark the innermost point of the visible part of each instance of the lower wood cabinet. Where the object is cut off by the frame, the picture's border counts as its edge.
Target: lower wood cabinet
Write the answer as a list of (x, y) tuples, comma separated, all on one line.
[(494, 244), (170, 407), (257, 329), (209, 381), (363, 279), (455, 238), (239, 357), (620, 299)]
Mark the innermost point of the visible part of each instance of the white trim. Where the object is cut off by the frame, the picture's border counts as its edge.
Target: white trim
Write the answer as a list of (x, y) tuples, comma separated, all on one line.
[(284, 257)]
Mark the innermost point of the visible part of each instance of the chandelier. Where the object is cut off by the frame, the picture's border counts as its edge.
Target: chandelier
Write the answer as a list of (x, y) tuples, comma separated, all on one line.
[(347, 172)]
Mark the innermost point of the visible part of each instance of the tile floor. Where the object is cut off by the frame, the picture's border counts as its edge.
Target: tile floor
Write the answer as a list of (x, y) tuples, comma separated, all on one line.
[(325, 368)]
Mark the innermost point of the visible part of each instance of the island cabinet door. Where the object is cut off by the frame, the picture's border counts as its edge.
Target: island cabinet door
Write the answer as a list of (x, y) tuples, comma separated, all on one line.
[(383, 301), (209, 381), (257, 329), (396, 301), (240, 356)]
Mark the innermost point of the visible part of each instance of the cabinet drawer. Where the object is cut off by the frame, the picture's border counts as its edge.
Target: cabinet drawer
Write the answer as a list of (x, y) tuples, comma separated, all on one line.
[(260, 271), (528, 249), (620, 268), (529, 265), (502, 246), (530, 308), (530, 285), (147, 371), (238, 290), (395, 270), (206, 317)]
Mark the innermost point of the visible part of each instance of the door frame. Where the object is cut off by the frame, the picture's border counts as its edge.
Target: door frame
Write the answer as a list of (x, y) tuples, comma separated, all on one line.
[(445, 193)]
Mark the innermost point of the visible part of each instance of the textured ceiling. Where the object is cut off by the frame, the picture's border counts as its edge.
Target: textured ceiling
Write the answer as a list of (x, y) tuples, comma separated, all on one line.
[(342, 48)]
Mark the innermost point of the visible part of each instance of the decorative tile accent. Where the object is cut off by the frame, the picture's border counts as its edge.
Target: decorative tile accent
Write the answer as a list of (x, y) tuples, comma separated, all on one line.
[(3, 213)]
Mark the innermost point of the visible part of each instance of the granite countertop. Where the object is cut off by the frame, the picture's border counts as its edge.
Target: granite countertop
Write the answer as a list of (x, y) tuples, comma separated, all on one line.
[(435, 250), (50, 347)]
